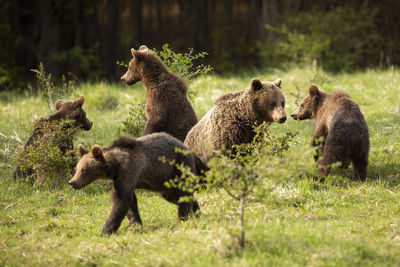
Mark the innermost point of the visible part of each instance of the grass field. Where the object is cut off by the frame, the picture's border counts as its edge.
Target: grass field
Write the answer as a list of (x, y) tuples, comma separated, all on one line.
[(298, 223)]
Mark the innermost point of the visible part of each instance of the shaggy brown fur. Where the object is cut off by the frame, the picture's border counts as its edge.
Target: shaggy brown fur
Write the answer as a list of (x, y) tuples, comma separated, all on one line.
[(231, 120), (340, 123), (167, 107), (65, 111), (134, 163)]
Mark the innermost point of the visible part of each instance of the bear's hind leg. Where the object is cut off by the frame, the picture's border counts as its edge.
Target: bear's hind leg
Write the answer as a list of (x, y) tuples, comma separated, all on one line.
[(360, 169), (184, 208), (133, 212)]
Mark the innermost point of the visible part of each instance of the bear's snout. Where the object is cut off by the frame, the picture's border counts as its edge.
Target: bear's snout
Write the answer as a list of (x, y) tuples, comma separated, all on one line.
[(294, 116), (74, 184), (88, 125), (282, 119)]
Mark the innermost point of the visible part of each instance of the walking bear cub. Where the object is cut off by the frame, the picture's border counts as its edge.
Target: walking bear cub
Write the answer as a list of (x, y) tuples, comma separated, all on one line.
[(231, 120), (167, 107), (65, 111), (341, 125), (135, 163)]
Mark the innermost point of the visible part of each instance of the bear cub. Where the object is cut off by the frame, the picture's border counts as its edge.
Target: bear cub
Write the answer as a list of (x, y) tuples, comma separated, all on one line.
[(168, 108), (231, 121), (65, 111), (342, 128), (135, 163)]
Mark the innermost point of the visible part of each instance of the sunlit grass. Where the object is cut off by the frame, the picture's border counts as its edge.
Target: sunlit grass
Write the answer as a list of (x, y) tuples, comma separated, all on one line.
[(300, 222)]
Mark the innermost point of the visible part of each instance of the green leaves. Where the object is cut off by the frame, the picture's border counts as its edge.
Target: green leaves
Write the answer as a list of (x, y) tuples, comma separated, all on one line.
[(44, 156), (183, 63), (136, 121)]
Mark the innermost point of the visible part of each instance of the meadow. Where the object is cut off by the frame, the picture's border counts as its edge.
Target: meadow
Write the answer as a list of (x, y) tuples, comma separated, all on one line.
[(299, 222)]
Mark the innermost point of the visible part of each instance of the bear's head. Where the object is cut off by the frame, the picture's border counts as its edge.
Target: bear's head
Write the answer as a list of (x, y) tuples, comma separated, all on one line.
[(133, 74), (268, 100), (92, 166), (309, 106), (73, 111)]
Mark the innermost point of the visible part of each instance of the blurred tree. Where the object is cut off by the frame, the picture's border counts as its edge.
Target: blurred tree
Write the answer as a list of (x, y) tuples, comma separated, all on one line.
[(87, 37)]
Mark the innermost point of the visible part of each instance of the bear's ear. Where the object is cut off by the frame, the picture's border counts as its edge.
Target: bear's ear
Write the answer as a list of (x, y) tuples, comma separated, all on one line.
[(82, 151), (79, 101), (256, 84), (143, 48), (313, 90), (97, 152), (277, 82), (133, 51), (58, 104)]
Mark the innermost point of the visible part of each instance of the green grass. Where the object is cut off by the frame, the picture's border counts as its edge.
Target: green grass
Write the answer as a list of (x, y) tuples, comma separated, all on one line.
[(299, 222)]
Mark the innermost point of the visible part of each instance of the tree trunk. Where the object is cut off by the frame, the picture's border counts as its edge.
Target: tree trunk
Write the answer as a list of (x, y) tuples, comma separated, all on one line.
[(137, 22), (241, 215), (111, 39), (49, 38), (160, 40)]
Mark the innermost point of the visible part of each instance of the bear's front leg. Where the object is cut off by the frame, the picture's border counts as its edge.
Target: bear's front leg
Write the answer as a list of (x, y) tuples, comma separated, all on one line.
[(120, 205), (155, 125), (318, 142)]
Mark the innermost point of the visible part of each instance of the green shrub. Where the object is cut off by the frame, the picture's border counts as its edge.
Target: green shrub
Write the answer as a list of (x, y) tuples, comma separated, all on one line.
[(45, 156), (103, 100), (136, 121), (183, 63)]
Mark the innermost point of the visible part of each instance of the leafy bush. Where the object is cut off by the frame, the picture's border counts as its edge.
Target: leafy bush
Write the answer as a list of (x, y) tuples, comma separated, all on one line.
[(136, 121), (183, 63), (45, 156)]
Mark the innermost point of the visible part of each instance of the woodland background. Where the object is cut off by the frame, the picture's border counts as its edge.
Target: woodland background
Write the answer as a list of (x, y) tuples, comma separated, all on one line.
[(85, 38)]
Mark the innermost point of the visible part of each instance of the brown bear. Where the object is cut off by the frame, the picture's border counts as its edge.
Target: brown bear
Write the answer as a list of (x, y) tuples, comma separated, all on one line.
[(65, 111), (167, 107), (231, 121), (135, 163), (342, 128)]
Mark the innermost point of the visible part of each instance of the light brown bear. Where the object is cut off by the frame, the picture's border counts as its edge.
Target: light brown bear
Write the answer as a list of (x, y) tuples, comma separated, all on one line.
[(231, 121), (168, 108), (341, 125), (135, 163), (65, 111)]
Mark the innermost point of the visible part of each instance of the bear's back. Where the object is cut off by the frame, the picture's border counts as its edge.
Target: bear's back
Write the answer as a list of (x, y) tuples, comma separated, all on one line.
[(347, 123)]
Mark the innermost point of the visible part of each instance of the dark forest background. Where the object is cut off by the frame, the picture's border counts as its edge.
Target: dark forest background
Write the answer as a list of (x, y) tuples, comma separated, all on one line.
[(85, 38)]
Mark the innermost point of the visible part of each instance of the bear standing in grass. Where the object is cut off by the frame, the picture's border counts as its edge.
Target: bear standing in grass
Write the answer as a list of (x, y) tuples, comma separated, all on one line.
[(341, 125), (232, 119), (135, 163), (167, 107), (65, 111)]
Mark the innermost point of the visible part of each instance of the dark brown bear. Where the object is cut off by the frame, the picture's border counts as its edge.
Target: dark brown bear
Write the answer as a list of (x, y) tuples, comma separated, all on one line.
[(65, 111), (231, 121), (167, 107), (135, 163), (342, 128)]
